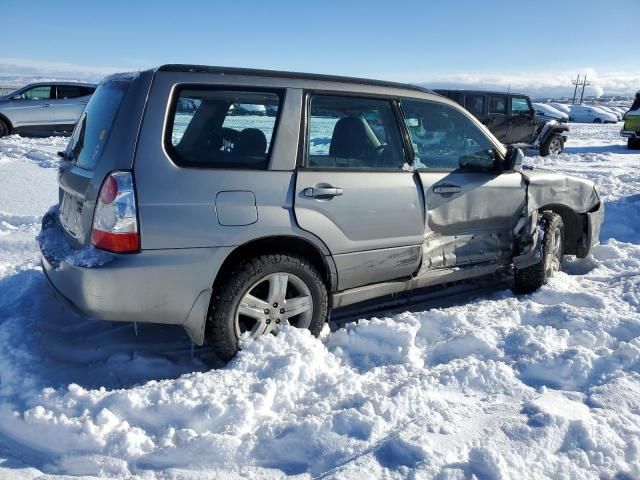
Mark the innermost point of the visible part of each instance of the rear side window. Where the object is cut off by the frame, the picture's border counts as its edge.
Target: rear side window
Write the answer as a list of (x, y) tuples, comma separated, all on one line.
[(353, 133), (214, 128), (92, 131), (71, 91), (475, 104), (444, 138), (498, 104)]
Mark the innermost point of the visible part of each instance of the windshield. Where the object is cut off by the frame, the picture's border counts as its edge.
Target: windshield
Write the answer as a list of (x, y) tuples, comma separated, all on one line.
[(92, 131)]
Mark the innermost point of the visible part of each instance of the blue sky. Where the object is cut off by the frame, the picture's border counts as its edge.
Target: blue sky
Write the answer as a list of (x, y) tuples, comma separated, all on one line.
[(542, 41)]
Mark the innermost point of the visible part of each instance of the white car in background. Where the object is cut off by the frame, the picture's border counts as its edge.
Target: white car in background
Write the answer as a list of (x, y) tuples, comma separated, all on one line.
[(591, 114), (549, 113), (563, 107), (610, 110), (622, 110)]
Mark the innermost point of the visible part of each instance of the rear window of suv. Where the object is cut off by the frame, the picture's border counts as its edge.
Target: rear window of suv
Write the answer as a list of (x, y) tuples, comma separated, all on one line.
[(222, 128), (92, 131)]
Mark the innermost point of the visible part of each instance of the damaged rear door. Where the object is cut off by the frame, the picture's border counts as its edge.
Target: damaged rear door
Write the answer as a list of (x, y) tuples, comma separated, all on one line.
[(471, 206)]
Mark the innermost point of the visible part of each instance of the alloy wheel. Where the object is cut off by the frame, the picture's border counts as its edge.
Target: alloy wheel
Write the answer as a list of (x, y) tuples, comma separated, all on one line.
[(276, 299)]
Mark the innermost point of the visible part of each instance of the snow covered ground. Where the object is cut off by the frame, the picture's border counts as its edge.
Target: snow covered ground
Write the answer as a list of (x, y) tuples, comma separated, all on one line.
[(490, 386)]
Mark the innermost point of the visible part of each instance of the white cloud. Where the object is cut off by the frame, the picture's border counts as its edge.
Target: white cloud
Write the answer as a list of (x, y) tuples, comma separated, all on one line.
[(24, 70), (535, 83), (17, 70)]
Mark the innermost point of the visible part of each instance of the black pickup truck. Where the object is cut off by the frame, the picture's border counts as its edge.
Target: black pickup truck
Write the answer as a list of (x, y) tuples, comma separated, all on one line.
[(512, 119)]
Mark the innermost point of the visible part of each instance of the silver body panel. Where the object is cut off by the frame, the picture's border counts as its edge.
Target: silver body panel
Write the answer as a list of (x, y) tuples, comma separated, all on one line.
[(388, 230)]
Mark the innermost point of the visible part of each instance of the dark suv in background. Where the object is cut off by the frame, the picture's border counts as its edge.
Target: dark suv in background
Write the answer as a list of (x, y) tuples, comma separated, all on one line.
[(512, 119)]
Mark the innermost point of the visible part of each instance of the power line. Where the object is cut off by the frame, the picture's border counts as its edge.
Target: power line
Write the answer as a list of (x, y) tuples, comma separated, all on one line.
[(576, 82), (584, 84)]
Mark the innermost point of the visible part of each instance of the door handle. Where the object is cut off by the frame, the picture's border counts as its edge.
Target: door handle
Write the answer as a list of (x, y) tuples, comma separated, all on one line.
[(322, 192), (46, 105), (447, 189)]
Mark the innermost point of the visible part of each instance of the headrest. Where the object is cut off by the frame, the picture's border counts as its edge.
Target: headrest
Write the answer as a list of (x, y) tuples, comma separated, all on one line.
[(251, 142), (350, 138)]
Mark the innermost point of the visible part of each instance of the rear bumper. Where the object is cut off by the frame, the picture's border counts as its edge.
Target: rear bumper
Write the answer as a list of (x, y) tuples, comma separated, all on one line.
[(630, 134), (156, 286)]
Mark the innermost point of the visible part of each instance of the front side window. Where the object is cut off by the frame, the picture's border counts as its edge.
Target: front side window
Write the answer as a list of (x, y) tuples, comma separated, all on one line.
[(38, 93), (475, 104), (353, 133), (498, 104), (444, 138), (520, 106), (215, 128)]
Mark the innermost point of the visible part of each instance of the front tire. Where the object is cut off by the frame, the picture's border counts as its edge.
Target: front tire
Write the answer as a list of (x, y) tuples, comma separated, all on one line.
[(262, 293), (554, 145), (633, 143), (597, 120), (4, 128), (531, 278)]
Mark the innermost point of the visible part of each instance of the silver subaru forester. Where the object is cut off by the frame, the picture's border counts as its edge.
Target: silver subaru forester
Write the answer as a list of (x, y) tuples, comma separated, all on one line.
[(234, 201)]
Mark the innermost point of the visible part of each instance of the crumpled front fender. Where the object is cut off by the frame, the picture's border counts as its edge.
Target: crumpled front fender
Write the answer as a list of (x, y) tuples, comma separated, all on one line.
[(549, 188)]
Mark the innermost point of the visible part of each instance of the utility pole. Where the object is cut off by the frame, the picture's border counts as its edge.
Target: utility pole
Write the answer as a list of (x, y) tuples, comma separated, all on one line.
[(584, 84), (576, 82)]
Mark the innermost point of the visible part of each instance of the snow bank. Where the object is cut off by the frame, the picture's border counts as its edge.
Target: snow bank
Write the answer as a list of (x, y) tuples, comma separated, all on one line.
[(490, 387)]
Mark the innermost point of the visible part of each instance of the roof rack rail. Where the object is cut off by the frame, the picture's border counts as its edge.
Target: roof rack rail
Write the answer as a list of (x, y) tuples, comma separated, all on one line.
[(285, 74)]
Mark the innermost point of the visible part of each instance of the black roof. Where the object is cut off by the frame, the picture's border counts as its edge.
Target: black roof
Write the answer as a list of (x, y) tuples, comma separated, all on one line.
[(284, 74)]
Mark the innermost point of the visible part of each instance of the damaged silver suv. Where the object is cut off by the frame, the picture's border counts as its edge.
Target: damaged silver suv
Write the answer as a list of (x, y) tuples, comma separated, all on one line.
[(234, 201)]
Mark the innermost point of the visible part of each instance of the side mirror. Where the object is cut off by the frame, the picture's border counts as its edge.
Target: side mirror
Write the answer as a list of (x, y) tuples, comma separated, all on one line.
[(17, 97), (514, 158), (483, 160)]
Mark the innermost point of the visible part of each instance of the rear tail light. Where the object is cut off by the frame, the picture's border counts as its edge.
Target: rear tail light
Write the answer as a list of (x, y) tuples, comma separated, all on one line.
[(115, 220)]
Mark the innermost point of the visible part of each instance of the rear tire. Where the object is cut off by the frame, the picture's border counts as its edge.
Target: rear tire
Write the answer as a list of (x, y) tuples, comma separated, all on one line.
[(4, 128), (597, 120), (633, 143), (554, 145), (531, 278), (261, 293)]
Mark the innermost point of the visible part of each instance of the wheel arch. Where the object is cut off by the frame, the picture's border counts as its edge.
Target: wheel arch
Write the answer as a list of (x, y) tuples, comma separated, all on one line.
[(574, 226), (6, 120), (290, 244)]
